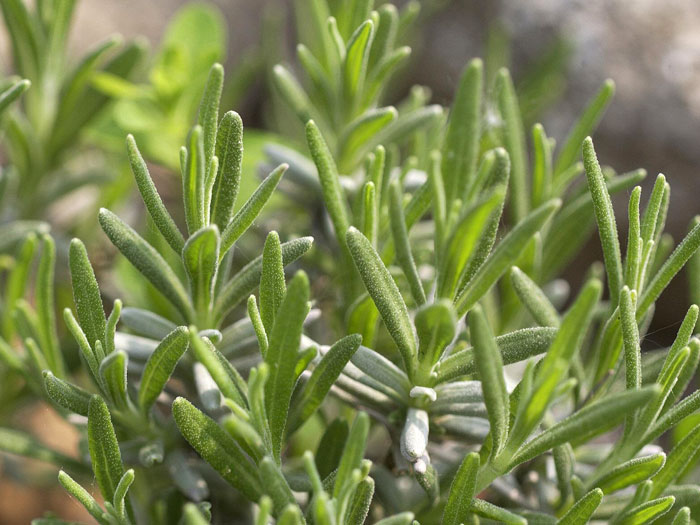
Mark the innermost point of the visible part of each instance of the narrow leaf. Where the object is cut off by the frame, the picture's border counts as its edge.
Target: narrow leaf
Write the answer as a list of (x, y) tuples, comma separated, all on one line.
[(461, 493), (160, 366), (86, 294)]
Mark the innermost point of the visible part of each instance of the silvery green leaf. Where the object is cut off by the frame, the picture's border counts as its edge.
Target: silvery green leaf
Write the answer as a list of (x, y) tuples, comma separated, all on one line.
[(146, 323), (86, 293), (160, 366), (217, 448), (583, 509)]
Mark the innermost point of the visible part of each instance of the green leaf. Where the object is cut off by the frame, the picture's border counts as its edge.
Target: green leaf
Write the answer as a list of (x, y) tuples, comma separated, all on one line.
[(676, 462), (533, 298), (498, 175), (630, 473), (113, 373), (466, 238), (586, 422), (282, 356), (490, 366), (542, 165), (86, 294), (256, 321), (682, 517), (584, 127), (104, 449), (217, 448), (146, 323), (221, 370), (83, 497), (364, 127), (488, 510), (368, 212), (191, 515), (272, 285), (330, 448), (248, 278), (65, 394), (684, 251), (160, 366), (291, 92), (229, 151), (507, 251), (583, 509), (322, 379), (630, 338), (514, 142), (605, 217), (352, 453), (402, 244), (633, 258), (86, 351), (386, 296), (244, 217), (156, 209), (461, 145), (361, 500), (647, 512), (12, 93), (514, 346), (404, 518), (333, 193), (120, 493), (461, 493), (200, 257), (111, 326), (275, 485), (194, 180), (208, 117), (556, 363), (356, 57), (146, 260), (45, 306), (436, 326)]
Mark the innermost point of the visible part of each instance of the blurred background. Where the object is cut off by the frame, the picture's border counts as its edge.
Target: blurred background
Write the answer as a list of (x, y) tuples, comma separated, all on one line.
[(650, 49)]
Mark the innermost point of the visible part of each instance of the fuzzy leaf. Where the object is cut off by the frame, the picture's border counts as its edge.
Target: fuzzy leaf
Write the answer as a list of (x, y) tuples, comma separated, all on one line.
[(333, 193), (282, 356), (104, 449), (113, 373), (272, 285), (533, 298), (229, 151), (488, 510), (386, 296), (208, 117), (160, 366), (401, 243), (193, 181), (490, 366), (583, 509), (45, 306), (322, 379), (605, 217), (356, 58), (676, 462), (630, 473), (217, 448), (200, 257), (352, 453), (588, 421), (436, 325), (83, 497), (86, 294), (647, 512), (66, 395), (275, 485), (508, 250), (156, 209), (146, 260), (461, 494), (245, 216), (248, 278)]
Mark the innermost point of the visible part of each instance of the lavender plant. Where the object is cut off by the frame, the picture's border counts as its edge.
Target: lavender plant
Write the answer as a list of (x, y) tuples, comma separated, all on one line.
[(225, 404)]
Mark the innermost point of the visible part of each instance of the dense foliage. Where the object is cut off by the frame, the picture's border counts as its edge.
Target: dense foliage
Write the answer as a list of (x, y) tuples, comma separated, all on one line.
[(221, 390)]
